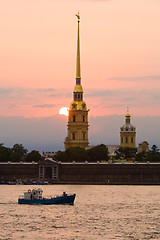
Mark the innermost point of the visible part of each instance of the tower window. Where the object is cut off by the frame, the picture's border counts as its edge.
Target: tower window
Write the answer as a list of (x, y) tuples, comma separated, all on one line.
[(121, 139), (74, 106), (84, 135), (75, 95), (126, 129), (126, 139), (73, 136), (131, 139), (83, 106), (74, 118), (83, 118)]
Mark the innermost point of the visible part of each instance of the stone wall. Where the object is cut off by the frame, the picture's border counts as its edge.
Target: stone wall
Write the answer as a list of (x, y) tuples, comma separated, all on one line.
[(11, 171), (110, 173), (102, 173)]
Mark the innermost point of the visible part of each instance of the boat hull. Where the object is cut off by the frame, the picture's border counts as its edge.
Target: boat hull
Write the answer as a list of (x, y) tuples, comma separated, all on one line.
[(48, 201)]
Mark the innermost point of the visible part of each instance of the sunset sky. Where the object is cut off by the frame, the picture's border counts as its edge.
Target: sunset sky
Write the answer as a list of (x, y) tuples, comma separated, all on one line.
[(120, 68)]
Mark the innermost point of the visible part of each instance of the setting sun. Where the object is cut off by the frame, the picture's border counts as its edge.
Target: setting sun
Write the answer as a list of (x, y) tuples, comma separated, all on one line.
[(64, 111)]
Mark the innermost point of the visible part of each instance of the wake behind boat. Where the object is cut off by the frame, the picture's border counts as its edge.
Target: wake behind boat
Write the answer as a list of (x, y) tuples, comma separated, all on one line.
[(35, 197)]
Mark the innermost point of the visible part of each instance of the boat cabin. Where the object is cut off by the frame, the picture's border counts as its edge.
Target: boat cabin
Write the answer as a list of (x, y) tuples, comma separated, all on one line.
[(34, 194)]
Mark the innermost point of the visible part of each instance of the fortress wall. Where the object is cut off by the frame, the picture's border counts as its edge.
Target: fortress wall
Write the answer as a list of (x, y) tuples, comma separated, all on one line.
[(88, 173), (18, 171), (110, 173)]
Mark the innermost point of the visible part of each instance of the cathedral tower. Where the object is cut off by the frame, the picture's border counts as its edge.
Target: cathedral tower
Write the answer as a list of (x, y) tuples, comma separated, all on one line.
[(78, 112), (128, 133)]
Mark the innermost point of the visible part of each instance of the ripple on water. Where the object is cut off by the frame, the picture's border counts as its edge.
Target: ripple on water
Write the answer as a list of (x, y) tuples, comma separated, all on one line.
[(100, 212)]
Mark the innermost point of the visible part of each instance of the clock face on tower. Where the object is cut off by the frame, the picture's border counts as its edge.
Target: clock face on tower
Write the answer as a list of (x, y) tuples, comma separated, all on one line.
[(74, 106)]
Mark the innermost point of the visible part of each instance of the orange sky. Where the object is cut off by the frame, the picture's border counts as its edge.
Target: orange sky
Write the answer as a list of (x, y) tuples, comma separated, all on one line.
[(120, 56)]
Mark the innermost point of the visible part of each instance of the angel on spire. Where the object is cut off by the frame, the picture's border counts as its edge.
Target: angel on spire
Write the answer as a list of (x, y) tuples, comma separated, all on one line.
[(78, 16)]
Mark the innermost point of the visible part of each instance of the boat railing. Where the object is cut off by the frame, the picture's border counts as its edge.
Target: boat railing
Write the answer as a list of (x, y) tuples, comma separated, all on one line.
[(21, 196)]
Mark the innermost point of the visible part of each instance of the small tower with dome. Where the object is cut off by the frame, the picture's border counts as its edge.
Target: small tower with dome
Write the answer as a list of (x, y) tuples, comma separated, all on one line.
[(78, 112), (128, 133)]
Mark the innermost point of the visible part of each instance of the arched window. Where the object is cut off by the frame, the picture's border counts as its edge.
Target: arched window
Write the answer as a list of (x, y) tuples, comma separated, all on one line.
[(121, 139), (83, 106), (131, 139), (84, 135), (73, 136), (74, 118), (83, 118), (126, 139)]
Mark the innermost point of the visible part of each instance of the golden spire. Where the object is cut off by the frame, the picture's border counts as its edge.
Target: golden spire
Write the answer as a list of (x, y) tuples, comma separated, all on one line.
[(78, 68)]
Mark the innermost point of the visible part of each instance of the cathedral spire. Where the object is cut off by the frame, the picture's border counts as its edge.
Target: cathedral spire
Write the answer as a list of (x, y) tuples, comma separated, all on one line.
[(78, 112), (78, 67)]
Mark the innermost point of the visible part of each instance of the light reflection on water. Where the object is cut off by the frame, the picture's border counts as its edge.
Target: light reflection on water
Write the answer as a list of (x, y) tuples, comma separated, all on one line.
[(99, 212)]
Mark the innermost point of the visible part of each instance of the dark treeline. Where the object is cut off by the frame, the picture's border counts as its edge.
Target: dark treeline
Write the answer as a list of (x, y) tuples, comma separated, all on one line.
[(131, 153), (18, 153), (77, 154), (152, 156), (98, 153)]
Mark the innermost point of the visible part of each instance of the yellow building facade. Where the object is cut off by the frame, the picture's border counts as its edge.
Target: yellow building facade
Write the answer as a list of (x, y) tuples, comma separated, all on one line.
[(143, 147), (128, 133), (78, 112)]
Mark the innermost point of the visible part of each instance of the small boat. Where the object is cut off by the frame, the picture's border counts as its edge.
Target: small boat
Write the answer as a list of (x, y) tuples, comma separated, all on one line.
[(35, 197), (36, 183)]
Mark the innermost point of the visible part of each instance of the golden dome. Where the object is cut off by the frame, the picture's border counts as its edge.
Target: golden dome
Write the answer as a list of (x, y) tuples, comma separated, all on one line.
[(78, 105), (128, 116), (78, 88)]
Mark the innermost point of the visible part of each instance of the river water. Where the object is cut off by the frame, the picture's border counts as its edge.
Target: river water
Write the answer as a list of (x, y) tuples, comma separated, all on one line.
[(99, 212)]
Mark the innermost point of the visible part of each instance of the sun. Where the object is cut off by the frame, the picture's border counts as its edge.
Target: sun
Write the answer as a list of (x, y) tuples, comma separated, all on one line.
[(64, 111)]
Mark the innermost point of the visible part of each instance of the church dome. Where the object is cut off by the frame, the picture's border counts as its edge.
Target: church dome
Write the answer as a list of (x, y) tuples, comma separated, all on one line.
[(78, 105), (128, 115), (128, 127)]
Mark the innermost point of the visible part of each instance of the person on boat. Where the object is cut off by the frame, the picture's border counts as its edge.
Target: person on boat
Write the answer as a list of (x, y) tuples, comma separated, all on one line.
[(34, 196), (64, 194)]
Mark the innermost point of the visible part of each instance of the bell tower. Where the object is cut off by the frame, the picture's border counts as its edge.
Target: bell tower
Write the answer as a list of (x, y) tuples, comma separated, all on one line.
[(128, 133), (78, 112)]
